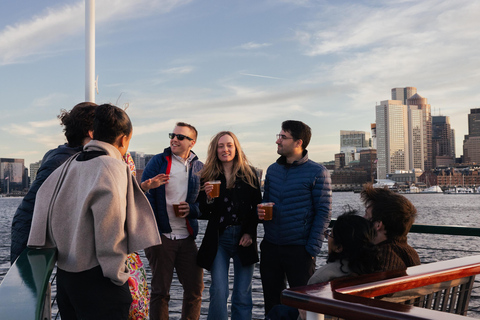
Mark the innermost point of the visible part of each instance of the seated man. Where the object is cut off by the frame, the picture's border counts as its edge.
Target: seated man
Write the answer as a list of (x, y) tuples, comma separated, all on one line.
[(392, 215)]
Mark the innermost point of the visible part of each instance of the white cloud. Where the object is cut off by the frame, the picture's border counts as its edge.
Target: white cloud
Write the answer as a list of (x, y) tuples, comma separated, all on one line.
[(254, 45), (178, 70), (43, 33)]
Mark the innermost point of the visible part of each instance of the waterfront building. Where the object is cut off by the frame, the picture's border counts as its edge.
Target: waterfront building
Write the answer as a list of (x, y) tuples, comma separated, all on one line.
[(471, 143), (12, 175), (402, 94), (373, 132), (352, 142), (417, 102), (392, 137), (339, 160), (34, 169), (443, 137), (403, 133)]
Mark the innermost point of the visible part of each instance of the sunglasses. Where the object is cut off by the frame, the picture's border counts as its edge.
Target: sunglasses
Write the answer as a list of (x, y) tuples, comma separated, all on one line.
[(179, 136)]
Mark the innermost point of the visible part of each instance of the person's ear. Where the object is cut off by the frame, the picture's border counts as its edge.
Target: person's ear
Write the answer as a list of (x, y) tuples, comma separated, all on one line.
[(378, 225), (90, 134)]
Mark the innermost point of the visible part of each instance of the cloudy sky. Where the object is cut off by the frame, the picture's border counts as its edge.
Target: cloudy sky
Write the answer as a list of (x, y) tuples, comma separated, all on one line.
[(239, 65)]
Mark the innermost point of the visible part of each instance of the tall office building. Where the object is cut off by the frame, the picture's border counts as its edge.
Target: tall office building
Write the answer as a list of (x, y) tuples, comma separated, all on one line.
[(392, 137), (471, 143), (12, 175), (474, 122), (351, 142), (417, 103), (402, 94), (443, 150), (34, 169), (373, 132)]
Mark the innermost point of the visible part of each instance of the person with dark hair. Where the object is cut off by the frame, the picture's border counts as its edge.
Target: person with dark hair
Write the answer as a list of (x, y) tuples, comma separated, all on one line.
[(92, 210), (78, 128), (351, 252), (232, 226), (302, 196), (392, 215), (178, 250)]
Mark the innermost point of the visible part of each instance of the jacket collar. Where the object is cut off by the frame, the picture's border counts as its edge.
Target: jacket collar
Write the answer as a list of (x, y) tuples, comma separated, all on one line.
[(96, 145), (168, 152), (283, 160)]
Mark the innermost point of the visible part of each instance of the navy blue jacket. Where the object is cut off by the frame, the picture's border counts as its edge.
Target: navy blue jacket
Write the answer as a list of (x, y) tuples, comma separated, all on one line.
[(22, 220), (303, 203), (161, 163)]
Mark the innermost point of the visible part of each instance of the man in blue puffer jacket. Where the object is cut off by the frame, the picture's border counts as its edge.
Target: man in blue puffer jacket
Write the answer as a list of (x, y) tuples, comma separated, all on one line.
[(301, 191), (78, 127)]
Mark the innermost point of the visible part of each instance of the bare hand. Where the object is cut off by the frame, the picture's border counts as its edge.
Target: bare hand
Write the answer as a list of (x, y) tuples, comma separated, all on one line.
[(260, 212), (246, 240), (208, 188), (303, 314), (184, 208), (155, 182)]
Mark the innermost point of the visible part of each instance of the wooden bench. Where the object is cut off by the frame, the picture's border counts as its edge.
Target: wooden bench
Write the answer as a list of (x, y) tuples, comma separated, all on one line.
[(439, 290), (25, 290)]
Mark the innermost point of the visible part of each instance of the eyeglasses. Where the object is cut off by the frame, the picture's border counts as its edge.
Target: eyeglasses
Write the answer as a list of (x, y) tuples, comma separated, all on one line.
[(328, 233), (179, 136), (283, 137)]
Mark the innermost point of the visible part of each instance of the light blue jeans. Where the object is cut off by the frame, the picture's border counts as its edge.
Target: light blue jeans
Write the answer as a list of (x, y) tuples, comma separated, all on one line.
[(242, 283)]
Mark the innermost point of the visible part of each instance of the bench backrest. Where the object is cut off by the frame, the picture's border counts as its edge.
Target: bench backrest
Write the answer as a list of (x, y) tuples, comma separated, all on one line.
[(419, 292)]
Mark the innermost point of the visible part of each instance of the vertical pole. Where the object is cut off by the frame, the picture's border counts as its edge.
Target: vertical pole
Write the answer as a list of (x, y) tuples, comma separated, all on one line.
[(90, 50)]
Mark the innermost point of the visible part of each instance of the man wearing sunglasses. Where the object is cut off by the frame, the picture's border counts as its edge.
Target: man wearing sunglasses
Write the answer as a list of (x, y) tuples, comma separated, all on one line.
[(178, 249), (301, 191)]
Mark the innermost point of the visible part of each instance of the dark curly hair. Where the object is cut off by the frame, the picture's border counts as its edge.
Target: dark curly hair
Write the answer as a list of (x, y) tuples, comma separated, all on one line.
[(110, 122), (77, 122), (395, 211), (355, 235)]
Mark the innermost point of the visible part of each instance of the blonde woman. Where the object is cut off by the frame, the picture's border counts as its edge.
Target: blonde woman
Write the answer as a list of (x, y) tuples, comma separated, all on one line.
[(232, 227)]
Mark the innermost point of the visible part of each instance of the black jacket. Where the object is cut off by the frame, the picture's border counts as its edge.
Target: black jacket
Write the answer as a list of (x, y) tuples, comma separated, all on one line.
[(22, 220), (246, 198)]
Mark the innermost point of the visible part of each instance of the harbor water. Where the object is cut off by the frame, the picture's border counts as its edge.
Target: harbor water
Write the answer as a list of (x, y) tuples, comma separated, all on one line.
[(434, 209)]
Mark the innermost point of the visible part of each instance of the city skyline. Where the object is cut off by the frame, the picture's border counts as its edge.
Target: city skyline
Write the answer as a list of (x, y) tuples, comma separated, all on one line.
[(243, 66)]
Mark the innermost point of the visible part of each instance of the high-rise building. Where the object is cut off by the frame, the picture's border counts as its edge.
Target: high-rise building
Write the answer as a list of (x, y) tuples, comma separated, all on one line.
[(34, 169), (417, 102), (443, 151), (373, 131), (12, 175), (402, 94), (474, 122), (392, 137), (351, 142), (471, 143)]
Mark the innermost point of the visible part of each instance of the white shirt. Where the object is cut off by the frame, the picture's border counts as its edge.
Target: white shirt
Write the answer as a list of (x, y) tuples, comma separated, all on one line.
[(175, 192)]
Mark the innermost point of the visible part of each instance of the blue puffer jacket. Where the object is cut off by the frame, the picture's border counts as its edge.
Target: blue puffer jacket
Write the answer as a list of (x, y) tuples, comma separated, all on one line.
[(303, 203), (161, 163), (22, 220)]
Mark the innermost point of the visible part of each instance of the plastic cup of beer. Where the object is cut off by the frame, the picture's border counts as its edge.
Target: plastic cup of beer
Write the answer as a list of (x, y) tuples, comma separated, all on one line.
[(176, 208), (268, 207), (216, 189)]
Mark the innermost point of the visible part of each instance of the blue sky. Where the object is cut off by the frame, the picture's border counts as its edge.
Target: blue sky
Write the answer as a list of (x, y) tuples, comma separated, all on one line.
[(239, 65)]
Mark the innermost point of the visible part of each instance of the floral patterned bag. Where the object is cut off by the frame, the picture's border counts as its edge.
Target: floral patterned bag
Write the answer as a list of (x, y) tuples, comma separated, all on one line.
[(138, 278)]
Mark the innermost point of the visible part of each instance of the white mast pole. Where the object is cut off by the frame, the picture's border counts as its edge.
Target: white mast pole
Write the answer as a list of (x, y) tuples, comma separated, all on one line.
[(90, 50)]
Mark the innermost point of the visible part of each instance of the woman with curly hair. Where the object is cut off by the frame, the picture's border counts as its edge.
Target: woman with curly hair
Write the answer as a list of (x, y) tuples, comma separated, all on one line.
[(350, 252)]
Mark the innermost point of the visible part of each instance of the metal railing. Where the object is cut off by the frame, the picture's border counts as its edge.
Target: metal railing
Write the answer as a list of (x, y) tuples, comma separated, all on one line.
[(29, 277)]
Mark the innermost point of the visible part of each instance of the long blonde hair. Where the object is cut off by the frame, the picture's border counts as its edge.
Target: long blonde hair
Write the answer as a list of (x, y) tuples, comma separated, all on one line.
[(241, 166)]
